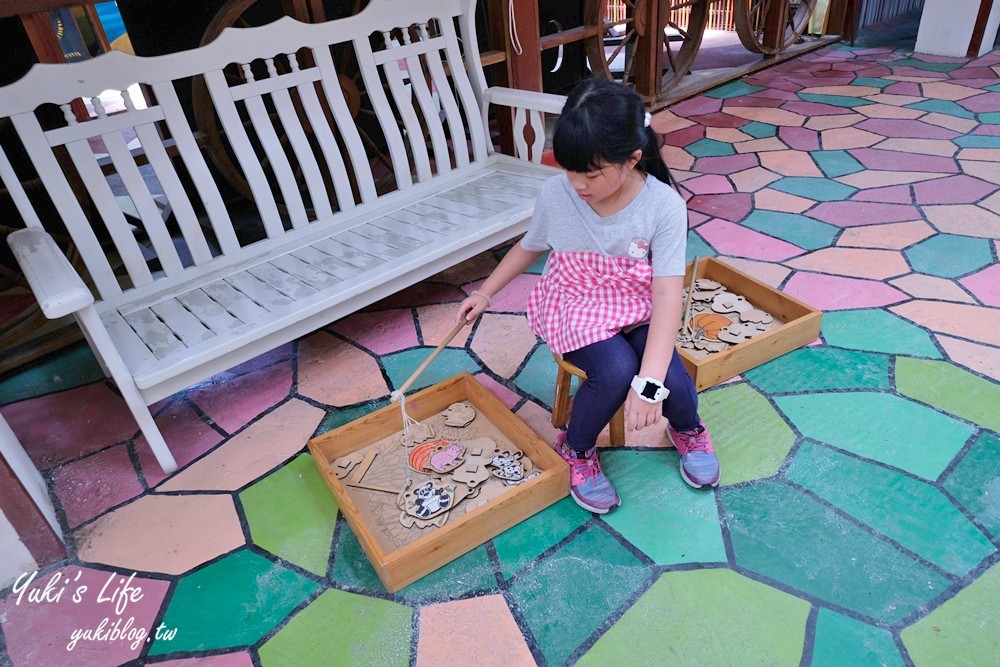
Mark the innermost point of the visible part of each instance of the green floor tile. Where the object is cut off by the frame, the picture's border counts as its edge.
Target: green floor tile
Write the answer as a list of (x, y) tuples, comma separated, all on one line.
[(950, 388), (291, 513), (466, 574), (946, 107), (877, 331), (710, 148), (337, 417), (963, 631), (845, 101), (799, 230), (527, 540), (975, 481), (821, 369), (340, 628), (977, 141), (706, 617), (232, 602), (882, 427), (836, 163), (817, 189), (733, 89), (750, 438), (759, 130), (841, 640), (683, 527), (949, 255), (571, 593), (989, 118), (916, 63), (911, 512), (450, 362), (783, 534), (71, 368), (538, 377), (698, 247), (872, 82)]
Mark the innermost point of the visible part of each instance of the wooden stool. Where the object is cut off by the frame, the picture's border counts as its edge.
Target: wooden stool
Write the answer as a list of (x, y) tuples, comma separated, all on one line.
[(561, 402)]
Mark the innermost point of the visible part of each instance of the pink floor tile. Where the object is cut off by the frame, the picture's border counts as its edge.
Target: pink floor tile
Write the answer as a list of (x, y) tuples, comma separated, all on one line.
[(269, 442), (873, 158), (60, 427), (853, 262), (982, 103), (985, 285), (931, 287), (726, 164), (974, 323), (163, 533), (839, 293), (799, 138), (513, 298), (770, 274), (774, 200), (234, 403), (436, 322), (895, 194), (92, 485), (964, 219), (983, 359), (813, 108), (890, 236), (697, 106), (959, 189), (503, 342), (506, 396), (905, 128), (337, 373), (382, 332), (730, 239), (710, 184), (281, 353), (854, 213), (241, 659), (790, 163), (720, 119), (933, 147), (753, 179), (942, 90), (477, 631), (686, 136), (733, 207), (187, 435), (40, 634), (764, 115)]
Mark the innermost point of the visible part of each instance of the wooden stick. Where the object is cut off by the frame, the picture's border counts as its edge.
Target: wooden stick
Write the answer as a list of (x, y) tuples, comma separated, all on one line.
[(687, 302), (427, 362)]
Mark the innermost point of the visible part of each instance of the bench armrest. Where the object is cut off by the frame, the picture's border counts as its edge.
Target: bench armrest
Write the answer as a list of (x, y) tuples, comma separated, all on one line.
[(57, 286), (525, 99)]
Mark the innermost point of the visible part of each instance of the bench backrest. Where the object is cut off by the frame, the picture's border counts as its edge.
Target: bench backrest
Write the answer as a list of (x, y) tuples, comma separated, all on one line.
[(287, 123)]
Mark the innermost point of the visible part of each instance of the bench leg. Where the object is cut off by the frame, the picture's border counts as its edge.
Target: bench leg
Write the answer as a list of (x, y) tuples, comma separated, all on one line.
[(561, 404), (105, 349)]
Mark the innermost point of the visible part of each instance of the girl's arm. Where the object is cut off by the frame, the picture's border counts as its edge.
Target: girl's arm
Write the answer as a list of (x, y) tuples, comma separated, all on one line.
[(664, 324), (511, 266)]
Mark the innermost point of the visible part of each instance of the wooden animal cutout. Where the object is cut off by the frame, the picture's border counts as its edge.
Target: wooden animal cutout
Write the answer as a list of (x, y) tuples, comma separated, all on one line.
[(420, 456), (459, 415), (428, 500), (445, 458), (708, 325), (506, 465), (418, 433), (515, 482)]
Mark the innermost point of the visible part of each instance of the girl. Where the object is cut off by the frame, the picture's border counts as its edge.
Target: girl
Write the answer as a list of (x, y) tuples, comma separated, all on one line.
[(610, 298)]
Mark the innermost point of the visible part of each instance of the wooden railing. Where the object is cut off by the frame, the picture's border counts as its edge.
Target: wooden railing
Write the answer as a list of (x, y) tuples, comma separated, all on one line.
[(720, 14)]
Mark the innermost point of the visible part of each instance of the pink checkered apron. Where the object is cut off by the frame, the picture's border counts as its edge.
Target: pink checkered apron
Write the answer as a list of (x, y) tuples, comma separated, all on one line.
[(587, 297)]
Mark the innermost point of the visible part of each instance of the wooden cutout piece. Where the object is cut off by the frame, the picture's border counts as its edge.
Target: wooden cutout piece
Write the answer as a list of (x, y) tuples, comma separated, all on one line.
[(506, 465), (418, 433), (471, 474), (343, 466), (362, 468), (515, 482), (736, 333), (445, 458), (420, 455), (459, 415), (757, 316), (428, 500), (727, 302)]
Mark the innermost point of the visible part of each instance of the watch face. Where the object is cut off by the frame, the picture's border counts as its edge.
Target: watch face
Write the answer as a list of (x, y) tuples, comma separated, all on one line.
[(649, 391)]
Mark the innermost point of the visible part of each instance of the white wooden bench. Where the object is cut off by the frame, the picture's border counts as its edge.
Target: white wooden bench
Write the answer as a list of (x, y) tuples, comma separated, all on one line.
[(332, 244)]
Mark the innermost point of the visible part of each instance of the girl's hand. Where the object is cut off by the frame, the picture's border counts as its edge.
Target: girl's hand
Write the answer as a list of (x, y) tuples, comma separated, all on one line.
[(473, 306), (639, 414)]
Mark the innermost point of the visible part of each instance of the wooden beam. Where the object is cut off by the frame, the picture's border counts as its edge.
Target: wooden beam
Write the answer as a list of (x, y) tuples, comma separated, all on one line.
[(979, 30), (649, 49)]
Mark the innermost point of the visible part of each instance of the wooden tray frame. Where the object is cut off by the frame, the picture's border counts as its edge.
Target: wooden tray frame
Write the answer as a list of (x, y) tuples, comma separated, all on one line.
[(439, 546), (801, 326)]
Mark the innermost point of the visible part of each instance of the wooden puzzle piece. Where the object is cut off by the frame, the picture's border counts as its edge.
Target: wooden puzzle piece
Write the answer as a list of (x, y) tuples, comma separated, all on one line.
[(707, 284), (419, 456), (471, 473), (418, 433), (459, 415), (757, 316), (506, 465), (411, 521), (445, 458), (428, 499), (708, 325), (737, 333), (343, 466), (361, 469), (492, 489), (727, 302), (515, 482)]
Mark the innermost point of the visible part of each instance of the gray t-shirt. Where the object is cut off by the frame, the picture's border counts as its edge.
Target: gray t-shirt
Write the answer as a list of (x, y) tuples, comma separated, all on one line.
[(653, 225)]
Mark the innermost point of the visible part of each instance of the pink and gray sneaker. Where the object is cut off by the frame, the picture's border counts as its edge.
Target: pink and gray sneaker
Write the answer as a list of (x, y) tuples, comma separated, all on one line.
[(589, 486), (699, 465)]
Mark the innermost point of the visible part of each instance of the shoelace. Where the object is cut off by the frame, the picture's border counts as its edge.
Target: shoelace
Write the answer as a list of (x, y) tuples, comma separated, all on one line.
[(698, 440), (586, 468)]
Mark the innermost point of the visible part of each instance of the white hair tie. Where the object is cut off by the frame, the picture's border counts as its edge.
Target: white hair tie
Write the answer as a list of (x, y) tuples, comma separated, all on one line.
[(647, 120)]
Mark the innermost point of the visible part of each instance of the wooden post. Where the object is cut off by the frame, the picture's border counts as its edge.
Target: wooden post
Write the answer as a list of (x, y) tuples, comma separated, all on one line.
[(774, 26), (523, 70), (648, 65)]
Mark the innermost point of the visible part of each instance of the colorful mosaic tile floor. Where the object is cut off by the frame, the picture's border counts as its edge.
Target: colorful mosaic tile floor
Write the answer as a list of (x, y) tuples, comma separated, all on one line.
[(858, 522)]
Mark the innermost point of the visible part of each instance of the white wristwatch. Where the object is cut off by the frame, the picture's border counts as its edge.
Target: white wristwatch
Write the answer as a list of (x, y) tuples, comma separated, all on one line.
[(649, 389)]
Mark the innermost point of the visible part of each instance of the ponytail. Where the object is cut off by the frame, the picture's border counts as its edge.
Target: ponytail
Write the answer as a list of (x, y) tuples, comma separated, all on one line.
[(652, 159)]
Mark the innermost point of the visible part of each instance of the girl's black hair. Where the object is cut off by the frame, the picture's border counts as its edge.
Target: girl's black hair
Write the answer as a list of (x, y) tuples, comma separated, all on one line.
[(604, 123)]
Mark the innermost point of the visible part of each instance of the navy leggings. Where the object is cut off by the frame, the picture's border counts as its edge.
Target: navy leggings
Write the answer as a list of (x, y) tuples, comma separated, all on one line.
[(610, 366)]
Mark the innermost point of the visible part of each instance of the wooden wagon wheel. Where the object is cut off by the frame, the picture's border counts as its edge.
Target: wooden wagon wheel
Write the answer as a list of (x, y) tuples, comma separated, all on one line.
[(771, 26), (683, 24), (251, 13)]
